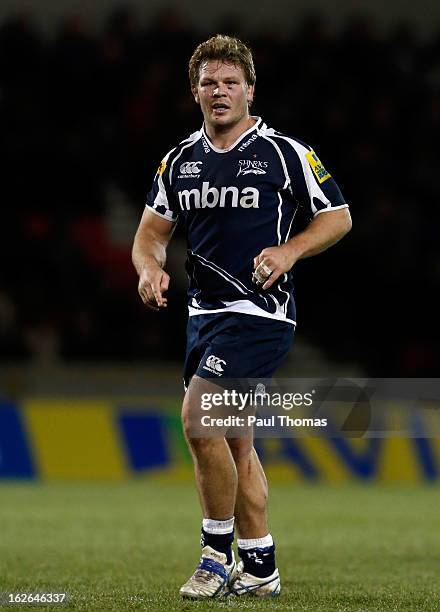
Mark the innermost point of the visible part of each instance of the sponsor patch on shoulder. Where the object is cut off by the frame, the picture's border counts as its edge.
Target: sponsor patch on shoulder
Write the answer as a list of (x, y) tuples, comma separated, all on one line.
[(318, 169), (161, 169)]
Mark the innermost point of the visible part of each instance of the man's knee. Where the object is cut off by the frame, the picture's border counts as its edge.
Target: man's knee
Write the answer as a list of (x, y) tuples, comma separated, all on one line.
[(241, 448), (186, 423), (193, 434)]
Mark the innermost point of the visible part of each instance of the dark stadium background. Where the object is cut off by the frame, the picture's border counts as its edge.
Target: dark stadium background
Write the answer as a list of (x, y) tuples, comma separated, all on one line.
[(93, 464), (86, 113)]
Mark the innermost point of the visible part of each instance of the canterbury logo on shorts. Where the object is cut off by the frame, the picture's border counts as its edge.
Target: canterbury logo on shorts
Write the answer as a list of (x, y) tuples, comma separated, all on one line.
[(214, 365)]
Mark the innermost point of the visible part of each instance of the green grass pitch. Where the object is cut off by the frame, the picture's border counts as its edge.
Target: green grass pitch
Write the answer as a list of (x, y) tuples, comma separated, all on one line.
[(130, 546)]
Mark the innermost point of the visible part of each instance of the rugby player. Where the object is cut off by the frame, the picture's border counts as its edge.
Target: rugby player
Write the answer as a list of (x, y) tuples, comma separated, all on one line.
[(236, 184)]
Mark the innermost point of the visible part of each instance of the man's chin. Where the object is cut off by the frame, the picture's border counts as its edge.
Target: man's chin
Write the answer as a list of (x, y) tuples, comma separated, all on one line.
[(223, 121), (225, 118)]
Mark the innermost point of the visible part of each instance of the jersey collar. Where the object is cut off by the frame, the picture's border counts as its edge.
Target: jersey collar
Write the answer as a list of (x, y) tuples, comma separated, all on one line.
[(239, 139)]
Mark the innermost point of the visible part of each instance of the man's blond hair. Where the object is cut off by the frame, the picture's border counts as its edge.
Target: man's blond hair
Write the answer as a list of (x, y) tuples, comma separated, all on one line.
[(228, 49)]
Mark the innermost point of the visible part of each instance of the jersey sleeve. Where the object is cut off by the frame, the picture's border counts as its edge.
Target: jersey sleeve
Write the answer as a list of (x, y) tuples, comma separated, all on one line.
[(161, 199), (312, 185), (323, 193)]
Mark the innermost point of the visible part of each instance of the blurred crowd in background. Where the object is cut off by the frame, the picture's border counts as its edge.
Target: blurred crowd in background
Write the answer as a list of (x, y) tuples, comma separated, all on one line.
[(85, 120)]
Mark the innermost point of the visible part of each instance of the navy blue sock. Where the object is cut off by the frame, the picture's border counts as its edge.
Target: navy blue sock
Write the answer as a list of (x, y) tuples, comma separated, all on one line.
[(259, 562), (221, 542)]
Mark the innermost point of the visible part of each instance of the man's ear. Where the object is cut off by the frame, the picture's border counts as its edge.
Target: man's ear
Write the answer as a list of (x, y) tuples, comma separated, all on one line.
[(250, 94), (195, 94)]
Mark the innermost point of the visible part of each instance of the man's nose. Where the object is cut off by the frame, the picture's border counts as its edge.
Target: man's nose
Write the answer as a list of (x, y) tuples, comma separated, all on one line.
[(218, 91)]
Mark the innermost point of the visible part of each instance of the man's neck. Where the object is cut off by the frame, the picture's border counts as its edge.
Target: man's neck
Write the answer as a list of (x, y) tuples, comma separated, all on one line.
[(224, 138)]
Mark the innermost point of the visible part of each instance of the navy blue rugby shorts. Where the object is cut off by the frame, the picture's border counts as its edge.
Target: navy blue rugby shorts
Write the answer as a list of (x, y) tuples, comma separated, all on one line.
[(234, 345)]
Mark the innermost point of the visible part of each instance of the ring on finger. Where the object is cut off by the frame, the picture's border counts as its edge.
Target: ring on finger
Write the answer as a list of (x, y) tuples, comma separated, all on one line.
[(258, 278), (265, 268)]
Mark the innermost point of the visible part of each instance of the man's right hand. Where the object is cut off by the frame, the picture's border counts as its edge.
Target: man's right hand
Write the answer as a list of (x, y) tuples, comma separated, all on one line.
[(153, 282)]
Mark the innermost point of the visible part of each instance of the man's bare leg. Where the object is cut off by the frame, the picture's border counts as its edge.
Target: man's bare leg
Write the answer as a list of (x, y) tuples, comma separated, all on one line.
[(216, 477), (257, 570), (214, 466), (229, 476), (230, 479), (252, 491), (216, 480)]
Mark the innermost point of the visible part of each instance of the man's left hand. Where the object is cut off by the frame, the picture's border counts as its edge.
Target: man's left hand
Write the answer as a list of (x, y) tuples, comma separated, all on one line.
[(271, 263)]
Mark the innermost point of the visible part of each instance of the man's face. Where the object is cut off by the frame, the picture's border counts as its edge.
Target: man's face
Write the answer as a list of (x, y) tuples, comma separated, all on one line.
[(222, 93)]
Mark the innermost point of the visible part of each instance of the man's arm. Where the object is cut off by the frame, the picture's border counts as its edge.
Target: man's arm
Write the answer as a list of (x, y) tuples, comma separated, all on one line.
[(149, 256), (323, 231)]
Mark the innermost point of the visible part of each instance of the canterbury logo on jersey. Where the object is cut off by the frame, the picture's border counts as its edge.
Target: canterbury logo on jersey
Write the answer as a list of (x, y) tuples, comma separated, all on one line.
[(210, 197), (214, 364), (190, 169)]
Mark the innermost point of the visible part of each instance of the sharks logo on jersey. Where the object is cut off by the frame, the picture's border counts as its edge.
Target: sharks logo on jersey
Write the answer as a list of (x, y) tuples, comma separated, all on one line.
[(233, 204), (251, 166)]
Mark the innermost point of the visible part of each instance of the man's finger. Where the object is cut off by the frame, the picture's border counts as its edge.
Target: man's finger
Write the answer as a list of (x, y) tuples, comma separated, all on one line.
[(265, 268), (164, 283), (261, 273), (150, 294), (259, 277), (272, 278), (257, 260), (143, 295), (146, 290), (157, 295), (157, 292), (147, 296), (149, 302)]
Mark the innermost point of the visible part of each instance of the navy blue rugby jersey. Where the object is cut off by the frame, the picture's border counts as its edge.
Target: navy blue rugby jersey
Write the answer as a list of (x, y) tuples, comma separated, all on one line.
[(234, 203)]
